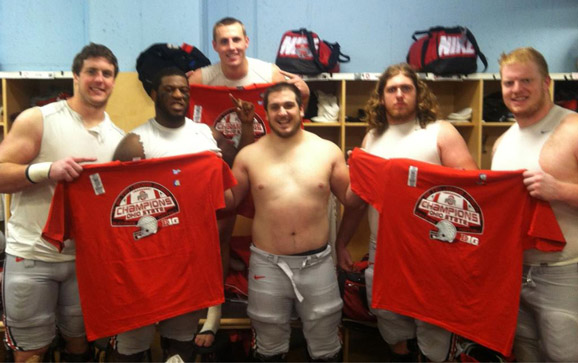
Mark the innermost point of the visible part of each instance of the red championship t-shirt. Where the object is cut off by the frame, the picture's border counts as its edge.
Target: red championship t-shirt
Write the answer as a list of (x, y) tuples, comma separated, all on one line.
[(450, 243), (212, 105), (147, 245)]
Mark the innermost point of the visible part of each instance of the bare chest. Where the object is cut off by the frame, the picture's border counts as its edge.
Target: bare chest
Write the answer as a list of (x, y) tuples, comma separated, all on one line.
[(300, 178)]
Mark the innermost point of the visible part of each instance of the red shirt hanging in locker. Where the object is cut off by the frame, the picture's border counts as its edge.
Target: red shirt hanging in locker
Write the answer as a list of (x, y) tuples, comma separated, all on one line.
[(450, 243), (147, 246)]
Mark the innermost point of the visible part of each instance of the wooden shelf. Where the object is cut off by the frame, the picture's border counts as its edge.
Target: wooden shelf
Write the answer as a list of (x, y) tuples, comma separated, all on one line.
[(321, 124), (356, 124), (497, 124)]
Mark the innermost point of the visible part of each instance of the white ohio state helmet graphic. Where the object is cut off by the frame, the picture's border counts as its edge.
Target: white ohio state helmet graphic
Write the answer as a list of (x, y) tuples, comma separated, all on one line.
[(148, 225), (446, 231)]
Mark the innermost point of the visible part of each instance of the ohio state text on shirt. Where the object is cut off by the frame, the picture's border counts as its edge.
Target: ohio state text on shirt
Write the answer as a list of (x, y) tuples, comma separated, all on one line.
[(450, 243), (146, 238)]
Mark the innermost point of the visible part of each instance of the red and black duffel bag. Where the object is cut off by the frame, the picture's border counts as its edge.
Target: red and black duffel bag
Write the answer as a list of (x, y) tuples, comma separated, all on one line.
[(445, 51)]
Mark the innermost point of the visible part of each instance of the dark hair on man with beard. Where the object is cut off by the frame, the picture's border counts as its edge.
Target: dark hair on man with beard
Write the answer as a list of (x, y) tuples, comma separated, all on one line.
[(280, 87)]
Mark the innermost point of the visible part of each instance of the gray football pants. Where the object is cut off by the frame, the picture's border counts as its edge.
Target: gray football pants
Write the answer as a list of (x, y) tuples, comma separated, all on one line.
[(278, 285)]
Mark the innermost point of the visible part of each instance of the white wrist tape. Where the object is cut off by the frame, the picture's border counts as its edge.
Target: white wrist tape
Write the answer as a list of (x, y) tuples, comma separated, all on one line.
[(213, 321), (38, 172)]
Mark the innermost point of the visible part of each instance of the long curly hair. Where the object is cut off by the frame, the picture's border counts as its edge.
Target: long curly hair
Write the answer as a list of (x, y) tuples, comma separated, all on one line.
[(427, 104)]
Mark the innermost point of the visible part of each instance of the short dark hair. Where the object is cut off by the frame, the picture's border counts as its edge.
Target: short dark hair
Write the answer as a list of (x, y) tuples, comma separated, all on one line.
[(227, 21), (166, 72), (278, 87), (94, 50)]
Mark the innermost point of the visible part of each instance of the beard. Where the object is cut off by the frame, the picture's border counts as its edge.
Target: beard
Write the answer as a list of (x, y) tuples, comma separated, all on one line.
[(400, 115), (287, 133), (174, 118)]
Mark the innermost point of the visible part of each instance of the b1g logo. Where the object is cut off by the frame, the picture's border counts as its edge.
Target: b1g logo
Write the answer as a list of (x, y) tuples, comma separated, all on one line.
[(145, 205), (453, 212), (229, 125)]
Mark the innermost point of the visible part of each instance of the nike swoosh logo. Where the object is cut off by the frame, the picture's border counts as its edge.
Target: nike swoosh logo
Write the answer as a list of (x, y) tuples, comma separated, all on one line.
[(258, 277), (544, 131)]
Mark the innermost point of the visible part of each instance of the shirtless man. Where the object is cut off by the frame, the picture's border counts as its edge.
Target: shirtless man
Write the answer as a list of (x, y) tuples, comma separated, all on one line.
[(402, 115), (291, 173), (544, 141), (235, 69)]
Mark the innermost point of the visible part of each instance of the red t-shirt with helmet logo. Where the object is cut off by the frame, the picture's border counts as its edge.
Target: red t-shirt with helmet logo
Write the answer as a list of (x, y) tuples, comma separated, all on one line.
[(450, 243), (147, 246)]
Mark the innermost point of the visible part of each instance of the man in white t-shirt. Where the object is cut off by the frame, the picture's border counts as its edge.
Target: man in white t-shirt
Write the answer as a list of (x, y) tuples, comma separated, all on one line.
[(169, 133)]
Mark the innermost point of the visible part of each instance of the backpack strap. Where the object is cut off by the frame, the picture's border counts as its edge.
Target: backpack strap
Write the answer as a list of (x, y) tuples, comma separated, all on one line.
[(419, 32), (342, 58), (314, 51), (472, 40)]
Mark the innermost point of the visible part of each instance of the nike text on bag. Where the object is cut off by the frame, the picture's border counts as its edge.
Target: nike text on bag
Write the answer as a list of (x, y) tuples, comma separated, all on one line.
[(163, 55), (445, 51), (303, 52)]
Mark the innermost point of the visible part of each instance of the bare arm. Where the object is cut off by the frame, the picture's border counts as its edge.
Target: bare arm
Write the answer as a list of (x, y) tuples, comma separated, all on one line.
[(130, 148), (195, 77), (559, 180), (228, 151), (350, 220), (340, 184), (453, 149), (349, 223), (241, 173), (546, 187), (21, 146), (246, 113)]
